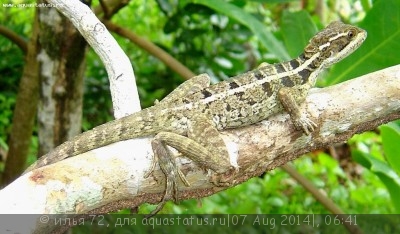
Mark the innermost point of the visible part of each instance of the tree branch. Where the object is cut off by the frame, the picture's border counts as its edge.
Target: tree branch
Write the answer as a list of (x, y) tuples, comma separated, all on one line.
[(120, 73), (152, 49), (111, 177), (14, 37), (24, 111)]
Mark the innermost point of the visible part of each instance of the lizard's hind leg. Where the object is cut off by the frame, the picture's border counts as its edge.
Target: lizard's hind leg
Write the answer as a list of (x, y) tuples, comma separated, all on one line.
[(204, 145), (167, 163), (188, 87)]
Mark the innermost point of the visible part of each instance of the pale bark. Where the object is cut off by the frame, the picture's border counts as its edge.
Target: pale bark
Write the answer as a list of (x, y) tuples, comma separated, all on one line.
[(123, 88)]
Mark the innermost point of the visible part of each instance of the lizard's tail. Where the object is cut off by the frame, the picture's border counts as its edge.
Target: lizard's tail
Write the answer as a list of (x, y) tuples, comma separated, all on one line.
[(139, 124)]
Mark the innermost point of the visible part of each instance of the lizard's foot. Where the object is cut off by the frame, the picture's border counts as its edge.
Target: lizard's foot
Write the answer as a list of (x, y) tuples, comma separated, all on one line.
[(224, 179), (171, 193), (305, 124), (156, 210)]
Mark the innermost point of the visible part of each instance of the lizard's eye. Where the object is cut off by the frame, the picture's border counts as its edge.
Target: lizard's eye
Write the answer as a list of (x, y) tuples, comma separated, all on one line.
[(351, 34)]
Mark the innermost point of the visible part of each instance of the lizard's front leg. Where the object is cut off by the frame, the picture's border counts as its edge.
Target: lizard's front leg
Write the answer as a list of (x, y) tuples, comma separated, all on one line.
[(290, 99)]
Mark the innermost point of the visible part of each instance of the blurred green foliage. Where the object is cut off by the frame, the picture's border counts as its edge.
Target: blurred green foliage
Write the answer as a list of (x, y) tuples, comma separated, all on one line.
[(11, 65), (225, 38), (383, 161)]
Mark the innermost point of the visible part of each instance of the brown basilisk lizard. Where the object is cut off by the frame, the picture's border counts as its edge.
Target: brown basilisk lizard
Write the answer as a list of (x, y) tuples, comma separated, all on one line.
[(189, 119)]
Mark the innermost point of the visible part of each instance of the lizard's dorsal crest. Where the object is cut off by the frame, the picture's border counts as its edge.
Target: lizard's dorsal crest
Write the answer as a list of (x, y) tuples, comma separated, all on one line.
[(334, 43)]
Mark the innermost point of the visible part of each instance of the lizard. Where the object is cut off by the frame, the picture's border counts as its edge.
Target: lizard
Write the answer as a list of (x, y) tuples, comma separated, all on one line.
[(190, 117)]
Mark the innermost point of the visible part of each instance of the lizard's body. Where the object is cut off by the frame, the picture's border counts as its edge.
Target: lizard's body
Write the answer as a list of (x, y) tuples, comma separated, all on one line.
[(251, 100), (190, 117)]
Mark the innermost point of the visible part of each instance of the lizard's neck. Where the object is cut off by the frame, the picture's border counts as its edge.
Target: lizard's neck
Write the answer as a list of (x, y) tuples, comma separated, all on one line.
[(302, 70)]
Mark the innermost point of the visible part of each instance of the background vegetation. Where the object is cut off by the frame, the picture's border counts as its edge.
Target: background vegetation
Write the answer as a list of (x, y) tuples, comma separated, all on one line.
[(225, 38)]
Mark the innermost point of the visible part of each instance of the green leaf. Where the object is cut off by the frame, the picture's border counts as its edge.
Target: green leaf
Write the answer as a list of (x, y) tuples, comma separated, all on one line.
[(274, 1), (365, 4), (259, 30), (380, 50), (385, 173), (167, 6), (390, 140), (295, 35)]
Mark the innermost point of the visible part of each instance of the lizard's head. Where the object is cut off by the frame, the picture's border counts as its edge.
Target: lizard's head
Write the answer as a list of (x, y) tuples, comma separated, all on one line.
[(334, 43)]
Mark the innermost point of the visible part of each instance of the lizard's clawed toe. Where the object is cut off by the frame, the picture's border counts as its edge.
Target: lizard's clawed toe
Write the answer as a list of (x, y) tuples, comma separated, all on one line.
[(224, 179)]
